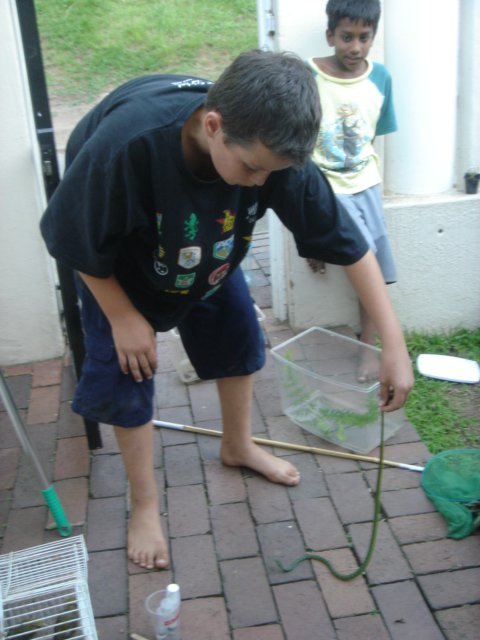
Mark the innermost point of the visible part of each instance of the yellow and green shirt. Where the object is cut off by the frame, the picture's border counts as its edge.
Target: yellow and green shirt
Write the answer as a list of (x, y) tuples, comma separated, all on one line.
[(354, 112)]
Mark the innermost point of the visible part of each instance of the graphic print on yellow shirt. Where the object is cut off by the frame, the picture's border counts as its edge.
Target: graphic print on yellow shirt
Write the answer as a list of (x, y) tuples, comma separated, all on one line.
[(354, 112)]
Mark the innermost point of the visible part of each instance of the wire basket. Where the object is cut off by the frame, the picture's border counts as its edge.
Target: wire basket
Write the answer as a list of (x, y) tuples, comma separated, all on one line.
[(318, 373), (44, 593)]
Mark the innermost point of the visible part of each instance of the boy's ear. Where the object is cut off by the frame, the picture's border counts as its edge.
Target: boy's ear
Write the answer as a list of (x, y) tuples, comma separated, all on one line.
[(212, 123), (330, 37)]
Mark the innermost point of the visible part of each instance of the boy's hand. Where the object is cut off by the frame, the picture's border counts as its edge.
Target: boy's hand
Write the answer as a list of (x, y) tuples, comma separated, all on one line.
[(136, 346), (133, 336), (396, 379), (396, 374)]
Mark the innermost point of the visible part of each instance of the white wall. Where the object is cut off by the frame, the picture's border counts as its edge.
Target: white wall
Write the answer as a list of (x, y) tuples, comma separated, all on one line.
[(420, 157), (436, 241), (29, 321), (468, 117)]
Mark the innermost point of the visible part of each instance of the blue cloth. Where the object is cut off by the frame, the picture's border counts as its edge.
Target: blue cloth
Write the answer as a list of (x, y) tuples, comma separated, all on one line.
[(221, 335)]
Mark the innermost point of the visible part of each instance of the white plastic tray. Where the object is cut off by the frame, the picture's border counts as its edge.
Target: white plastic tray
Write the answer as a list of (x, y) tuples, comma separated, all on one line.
[(448, 368)]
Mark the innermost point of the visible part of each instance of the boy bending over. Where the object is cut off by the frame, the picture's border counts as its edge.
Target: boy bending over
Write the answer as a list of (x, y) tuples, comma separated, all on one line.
[(165, 180)]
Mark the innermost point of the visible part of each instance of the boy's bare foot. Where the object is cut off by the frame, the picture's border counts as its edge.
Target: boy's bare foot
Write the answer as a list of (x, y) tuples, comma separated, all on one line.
[(146, 543), (254, 457)]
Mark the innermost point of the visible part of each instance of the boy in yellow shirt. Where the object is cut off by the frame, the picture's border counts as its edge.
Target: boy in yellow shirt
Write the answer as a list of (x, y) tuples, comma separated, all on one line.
[(356, 98)]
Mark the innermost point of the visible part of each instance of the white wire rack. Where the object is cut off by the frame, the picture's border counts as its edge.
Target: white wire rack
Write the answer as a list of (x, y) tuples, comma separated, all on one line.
[(44, 593)]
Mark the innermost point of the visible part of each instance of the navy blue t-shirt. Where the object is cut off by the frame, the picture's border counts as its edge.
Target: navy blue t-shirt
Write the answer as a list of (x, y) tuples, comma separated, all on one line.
[(128, 205)]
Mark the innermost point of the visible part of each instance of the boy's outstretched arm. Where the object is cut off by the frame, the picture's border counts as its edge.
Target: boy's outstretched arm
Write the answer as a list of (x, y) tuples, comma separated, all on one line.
[(133, 336), (396, 374)]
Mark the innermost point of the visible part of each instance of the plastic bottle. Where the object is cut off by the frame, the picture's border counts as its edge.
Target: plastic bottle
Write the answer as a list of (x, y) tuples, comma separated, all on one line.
[(168, 621)]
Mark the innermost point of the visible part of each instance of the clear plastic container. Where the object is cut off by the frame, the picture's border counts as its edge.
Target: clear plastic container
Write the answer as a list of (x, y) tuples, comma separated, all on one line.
[(319, 374)]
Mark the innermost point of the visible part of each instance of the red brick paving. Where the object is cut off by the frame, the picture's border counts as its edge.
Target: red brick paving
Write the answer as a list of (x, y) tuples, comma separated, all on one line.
[(227, 526), (47, 373), (44, 404)]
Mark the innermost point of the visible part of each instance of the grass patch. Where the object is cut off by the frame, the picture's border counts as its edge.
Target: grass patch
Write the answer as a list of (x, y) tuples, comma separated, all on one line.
[(90, 46), (445, 414)]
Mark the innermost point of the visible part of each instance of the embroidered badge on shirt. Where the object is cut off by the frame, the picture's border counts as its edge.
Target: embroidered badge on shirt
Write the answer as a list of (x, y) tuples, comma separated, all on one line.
[(252, 213), (227, 222), (223, 248), (159, 217), (183, 281), (211, 292), (189, 257), (160, 268), (219, 274), (191, 227)]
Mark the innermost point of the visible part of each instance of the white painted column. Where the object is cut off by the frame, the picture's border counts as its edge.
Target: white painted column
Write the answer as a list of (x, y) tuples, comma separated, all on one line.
[(300, 27), (29, 318), (421, 52), (469, 90)]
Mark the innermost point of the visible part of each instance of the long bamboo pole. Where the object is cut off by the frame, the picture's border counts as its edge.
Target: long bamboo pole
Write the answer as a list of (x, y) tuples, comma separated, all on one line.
[(287, 445)]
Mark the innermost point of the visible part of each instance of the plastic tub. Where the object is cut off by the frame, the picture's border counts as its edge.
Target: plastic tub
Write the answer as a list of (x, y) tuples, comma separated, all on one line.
[(318, 372)]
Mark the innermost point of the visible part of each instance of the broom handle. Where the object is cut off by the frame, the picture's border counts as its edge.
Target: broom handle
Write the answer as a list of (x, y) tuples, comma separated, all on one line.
[(48, 490), (21, 432), (287, 445)]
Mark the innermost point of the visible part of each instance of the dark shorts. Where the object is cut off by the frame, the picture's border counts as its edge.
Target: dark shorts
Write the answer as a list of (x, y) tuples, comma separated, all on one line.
[(221, 336)]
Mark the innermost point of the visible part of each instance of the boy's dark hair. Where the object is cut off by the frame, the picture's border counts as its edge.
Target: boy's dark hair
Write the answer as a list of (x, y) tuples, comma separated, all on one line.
[(271, 98), (368, 11)]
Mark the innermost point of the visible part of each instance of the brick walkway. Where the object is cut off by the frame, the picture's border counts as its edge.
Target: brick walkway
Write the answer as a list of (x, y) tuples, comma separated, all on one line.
[(227, 526)]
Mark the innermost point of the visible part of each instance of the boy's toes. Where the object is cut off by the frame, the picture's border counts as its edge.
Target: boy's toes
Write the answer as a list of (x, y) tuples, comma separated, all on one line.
[(161, 563)]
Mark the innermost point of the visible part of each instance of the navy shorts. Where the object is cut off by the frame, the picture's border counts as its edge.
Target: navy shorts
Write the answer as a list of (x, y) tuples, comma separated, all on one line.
[(221, 336)]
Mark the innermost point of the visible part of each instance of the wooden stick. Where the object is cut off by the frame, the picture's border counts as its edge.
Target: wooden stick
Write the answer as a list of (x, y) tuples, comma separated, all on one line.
[(288, 445)]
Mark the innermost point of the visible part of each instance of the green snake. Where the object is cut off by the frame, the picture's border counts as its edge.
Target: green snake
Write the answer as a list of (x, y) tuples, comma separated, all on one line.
[(373, 537)]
